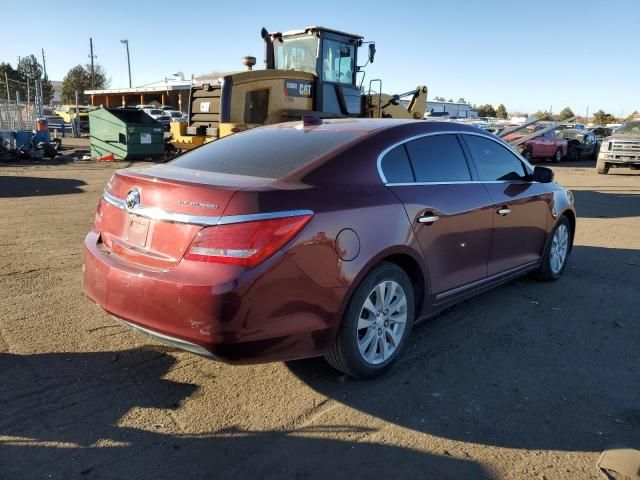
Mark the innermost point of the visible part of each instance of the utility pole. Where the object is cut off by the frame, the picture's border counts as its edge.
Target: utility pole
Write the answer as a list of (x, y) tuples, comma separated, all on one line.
[(587, 117), (6, 81), (93, 70), (44, 65), (126, 42)]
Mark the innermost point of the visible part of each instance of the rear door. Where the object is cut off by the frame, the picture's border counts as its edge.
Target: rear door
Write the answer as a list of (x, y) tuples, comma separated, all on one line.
[(451, 214), (520, 209)]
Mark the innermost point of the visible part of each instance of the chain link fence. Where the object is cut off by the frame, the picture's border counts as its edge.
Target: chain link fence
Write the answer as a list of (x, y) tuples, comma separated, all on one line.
[(17, 116)]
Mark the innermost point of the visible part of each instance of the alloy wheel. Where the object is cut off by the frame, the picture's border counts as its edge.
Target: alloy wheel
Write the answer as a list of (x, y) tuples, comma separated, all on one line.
[(382, 322), (558, 156), (559, 248)]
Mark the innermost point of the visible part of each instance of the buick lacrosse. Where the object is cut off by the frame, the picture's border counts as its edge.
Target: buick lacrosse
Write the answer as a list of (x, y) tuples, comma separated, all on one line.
[(321, 238)]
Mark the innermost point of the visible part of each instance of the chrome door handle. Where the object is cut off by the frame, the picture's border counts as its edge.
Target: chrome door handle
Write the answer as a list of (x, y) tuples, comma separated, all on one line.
[(428, 219), (504, 211)]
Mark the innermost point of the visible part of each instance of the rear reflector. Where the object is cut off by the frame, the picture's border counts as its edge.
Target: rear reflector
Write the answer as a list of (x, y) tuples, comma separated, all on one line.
[(246, 244)]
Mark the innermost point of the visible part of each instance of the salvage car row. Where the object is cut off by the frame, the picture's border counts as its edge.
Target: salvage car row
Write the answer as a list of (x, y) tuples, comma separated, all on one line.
[(611, 148)]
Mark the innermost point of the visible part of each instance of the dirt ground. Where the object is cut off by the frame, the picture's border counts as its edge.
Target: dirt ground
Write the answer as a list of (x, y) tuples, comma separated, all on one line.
[(531, 380)]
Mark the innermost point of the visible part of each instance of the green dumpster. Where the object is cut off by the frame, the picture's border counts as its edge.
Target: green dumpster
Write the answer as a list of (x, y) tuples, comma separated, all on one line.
[(128, 133)]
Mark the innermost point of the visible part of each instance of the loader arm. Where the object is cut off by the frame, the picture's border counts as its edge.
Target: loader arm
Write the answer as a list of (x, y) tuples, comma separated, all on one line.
[(418, 104), (383, 105)]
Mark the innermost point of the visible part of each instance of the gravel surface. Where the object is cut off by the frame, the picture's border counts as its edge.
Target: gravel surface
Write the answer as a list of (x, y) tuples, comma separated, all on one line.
[(530, 380)]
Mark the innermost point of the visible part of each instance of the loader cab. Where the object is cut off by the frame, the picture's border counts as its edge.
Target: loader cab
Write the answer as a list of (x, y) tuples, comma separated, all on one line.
[(330, 55)]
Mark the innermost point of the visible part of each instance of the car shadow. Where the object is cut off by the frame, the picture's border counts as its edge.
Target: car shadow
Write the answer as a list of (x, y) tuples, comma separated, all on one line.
[(582, 163), (61, 414), (555, 367), (18, 186), (603, 204), (588, 163)]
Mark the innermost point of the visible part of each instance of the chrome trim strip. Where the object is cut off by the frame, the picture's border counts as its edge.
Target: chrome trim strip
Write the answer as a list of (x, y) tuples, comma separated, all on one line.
[(155, 213), (466, 182), (445, 132), (262, 216), (485, 280), (115, 201), (168, 340)]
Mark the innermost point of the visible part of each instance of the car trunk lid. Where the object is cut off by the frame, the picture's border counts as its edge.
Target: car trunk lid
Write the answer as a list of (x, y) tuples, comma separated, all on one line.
[(150, 216)]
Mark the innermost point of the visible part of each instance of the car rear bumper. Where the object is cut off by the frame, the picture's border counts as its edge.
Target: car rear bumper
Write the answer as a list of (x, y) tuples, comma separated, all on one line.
[(272, 312)]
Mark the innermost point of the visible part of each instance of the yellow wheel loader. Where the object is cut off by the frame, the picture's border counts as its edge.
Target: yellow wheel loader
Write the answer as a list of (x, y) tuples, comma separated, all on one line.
[(313, 71)]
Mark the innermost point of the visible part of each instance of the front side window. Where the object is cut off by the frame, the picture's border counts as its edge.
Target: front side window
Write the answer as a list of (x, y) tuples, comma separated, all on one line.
[(494, 161), (297, 53), (338, 61), (438, 158)]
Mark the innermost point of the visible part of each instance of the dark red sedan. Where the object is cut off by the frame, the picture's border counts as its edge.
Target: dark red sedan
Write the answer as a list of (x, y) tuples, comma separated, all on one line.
[(297, 240)]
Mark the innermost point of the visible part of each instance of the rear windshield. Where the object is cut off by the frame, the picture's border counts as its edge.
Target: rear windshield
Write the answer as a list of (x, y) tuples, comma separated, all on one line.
[(263, 152)]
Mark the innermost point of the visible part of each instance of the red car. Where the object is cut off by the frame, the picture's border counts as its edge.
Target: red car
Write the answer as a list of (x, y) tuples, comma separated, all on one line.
[(297, 240), (547, 145)]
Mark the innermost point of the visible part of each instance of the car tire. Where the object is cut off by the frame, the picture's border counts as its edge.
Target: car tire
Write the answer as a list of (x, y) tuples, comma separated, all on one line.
[(557, 251), (364, 338), (602, 168), (528, 154), (557, 157)]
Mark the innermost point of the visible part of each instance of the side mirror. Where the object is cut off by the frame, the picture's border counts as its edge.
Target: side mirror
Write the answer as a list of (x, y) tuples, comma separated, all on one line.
[(543, 175), (372, 52)]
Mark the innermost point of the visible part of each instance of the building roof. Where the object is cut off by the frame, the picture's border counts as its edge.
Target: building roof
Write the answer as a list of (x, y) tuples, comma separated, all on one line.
[(440, 102), (161, 86)]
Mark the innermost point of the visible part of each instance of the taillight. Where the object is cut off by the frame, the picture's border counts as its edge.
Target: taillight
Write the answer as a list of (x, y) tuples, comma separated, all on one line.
[(246, 244), (97, 221)]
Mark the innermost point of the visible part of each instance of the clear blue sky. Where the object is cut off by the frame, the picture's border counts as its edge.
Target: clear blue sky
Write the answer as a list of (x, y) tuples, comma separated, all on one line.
[(527, 55)]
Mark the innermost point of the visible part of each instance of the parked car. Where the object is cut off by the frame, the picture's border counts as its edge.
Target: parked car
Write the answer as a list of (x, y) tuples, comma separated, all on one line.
[(602, 132), (546, 145), (145, 106), (621, 149), (580, 144), (159, 115), (576, 126), (176, 116), (297, 240), (68, 113)]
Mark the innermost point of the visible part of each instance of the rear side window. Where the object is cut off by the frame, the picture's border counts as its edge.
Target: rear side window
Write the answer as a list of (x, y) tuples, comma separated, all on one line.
[(438, 158), (395, 166), (263, 152), (493, 161)]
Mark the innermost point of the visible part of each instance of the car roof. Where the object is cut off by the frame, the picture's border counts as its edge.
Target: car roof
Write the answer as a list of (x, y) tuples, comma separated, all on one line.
[(365, 126)]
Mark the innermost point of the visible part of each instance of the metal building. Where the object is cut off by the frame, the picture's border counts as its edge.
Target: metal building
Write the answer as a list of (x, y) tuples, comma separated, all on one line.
[(449, 109)]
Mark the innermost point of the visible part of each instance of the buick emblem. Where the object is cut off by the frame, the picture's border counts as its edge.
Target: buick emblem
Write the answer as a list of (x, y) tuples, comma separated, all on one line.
[(133, 199)]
